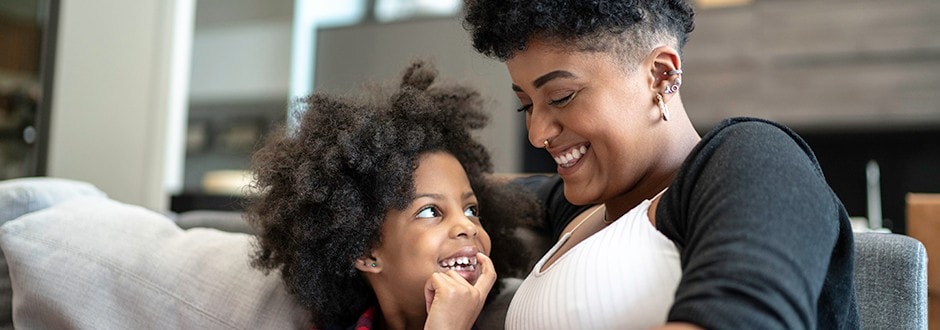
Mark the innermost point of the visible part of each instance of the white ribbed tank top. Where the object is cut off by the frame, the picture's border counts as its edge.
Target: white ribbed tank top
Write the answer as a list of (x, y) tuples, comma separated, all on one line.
[(622, 277)]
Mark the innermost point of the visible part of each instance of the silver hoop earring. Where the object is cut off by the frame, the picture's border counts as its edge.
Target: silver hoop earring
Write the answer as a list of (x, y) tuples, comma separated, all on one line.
[(662, 107)]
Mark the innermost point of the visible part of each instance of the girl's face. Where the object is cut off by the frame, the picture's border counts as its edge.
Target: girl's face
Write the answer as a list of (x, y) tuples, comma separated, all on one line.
[(439, 231), (599, 117)]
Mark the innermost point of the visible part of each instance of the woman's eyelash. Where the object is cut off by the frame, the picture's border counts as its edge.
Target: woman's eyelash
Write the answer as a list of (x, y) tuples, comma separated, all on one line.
[(524, 108), (562, 101)]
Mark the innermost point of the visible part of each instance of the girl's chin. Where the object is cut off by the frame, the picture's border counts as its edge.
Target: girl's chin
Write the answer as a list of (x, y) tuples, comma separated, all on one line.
[(470, 275)]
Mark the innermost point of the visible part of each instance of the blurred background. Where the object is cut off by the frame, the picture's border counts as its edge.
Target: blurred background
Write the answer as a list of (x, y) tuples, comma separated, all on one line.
[(160, 102)]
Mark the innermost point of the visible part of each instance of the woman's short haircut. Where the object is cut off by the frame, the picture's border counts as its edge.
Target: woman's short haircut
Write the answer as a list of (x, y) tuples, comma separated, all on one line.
[(500, 28)]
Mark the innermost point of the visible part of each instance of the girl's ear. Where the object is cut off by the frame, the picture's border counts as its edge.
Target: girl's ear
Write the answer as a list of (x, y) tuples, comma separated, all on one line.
[(368, 264)]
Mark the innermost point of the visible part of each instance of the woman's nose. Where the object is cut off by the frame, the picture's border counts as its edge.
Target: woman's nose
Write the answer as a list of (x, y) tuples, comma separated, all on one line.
[(541, 127)]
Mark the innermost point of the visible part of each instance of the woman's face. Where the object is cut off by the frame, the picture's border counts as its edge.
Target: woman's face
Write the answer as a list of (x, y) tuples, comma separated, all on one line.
[(438, 231), (598, 116)]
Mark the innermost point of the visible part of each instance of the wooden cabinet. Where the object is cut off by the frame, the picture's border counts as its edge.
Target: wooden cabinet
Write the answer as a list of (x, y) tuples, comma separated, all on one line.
[(923, 223)]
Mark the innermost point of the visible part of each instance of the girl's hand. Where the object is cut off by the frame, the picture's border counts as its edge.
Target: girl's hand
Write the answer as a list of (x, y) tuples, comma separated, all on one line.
[(452, 302)]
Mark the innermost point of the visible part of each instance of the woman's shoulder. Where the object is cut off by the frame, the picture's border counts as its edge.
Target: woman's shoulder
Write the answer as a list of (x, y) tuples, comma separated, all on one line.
[(753, 137), (751, 127), (741, 146)]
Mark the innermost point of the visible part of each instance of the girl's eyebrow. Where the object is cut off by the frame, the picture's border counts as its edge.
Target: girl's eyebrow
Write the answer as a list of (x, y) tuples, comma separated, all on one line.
[(466, 195)]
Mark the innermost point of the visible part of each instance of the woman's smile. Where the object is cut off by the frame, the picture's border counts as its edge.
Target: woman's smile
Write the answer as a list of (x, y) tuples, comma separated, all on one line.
[(569, 157)]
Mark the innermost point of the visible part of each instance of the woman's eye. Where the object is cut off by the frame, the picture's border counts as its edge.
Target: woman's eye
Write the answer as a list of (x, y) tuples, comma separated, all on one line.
[(429, 212), (527, 108), (562, 101), (471, 212)]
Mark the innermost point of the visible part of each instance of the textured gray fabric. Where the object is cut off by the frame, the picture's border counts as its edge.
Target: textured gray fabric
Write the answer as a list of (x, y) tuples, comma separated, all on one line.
[(94, 263), (25, 195), (890, 281), (230, 221)]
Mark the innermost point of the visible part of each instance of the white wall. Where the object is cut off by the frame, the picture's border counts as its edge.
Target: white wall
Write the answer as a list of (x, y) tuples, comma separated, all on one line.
[(349, 56), (248, 61), (119, 96)]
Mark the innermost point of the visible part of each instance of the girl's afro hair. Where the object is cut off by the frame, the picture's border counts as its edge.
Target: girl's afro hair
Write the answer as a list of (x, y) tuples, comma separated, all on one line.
[(321, 192)]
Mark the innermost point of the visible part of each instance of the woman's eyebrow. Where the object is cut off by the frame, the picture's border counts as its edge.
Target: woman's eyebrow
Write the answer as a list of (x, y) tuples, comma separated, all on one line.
[(538, 82), (544, 79)]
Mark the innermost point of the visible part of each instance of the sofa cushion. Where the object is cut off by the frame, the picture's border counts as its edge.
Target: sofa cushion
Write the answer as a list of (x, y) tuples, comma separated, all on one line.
[(25, 195), (95, 263)]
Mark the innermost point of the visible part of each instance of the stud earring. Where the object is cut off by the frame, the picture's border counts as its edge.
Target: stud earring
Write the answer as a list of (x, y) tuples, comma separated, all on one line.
[(662, 107), (547, 144), (374, 265)]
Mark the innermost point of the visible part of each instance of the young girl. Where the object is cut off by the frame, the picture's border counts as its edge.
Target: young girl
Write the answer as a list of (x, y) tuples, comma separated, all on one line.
[(371, 210)]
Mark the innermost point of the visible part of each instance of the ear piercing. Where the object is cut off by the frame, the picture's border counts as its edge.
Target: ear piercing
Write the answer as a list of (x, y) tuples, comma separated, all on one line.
[(675, 86), (662, 107), (374, 265), (547, 144)]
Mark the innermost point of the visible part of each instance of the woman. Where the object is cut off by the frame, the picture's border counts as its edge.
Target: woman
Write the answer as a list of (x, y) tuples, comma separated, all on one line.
[(736, 229), (370, 213)]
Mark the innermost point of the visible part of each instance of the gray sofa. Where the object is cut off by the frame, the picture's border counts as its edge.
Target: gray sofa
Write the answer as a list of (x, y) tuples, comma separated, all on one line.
[(73, 258)]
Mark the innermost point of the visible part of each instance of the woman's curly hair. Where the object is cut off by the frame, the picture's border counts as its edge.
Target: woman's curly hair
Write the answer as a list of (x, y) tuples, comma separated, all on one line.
[(322, 191), (500, 28)]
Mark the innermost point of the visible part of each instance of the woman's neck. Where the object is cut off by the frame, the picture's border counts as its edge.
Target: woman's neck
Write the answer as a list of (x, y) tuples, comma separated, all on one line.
[(680, 145)]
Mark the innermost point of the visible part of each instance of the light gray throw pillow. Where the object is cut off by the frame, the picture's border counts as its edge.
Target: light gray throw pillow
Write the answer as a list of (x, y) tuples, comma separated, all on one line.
[(95, 263), (25, 195)]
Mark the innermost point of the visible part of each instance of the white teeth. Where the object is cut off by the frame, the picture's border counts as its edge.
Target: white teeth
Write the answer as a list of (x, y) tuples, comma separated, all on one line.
[(568, 159), (460, 263)]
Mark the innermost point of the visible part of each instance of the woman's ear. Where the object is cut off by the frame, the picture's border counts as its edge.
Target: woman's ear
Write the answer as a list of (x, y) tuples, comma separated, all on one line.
[(368, 264), (665, 71)]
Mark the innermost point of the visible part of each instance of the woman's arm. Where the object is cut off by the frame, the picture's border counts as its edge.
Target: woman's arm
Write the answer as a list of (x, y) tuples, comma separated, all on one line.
[(757, 227)]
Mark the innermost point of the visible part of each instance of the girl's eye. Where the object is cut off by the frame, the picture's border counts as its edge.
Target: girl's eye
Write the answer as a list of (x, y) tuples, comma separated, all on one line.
[(429, 212), (471, 212), (527, 108), (563, 101)]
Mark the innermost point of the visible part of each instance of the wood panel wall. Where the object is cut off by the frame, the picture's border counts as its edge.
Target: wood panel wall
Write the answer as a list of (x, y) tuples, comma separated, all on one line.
[(817, 64)]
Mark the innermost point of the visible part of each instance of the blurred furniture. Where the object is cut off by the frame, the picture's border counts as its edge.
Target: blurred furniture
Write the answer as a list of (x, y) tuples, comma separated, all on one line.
[(75, 259), (923, 223), (80, 260), (890, 281)]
